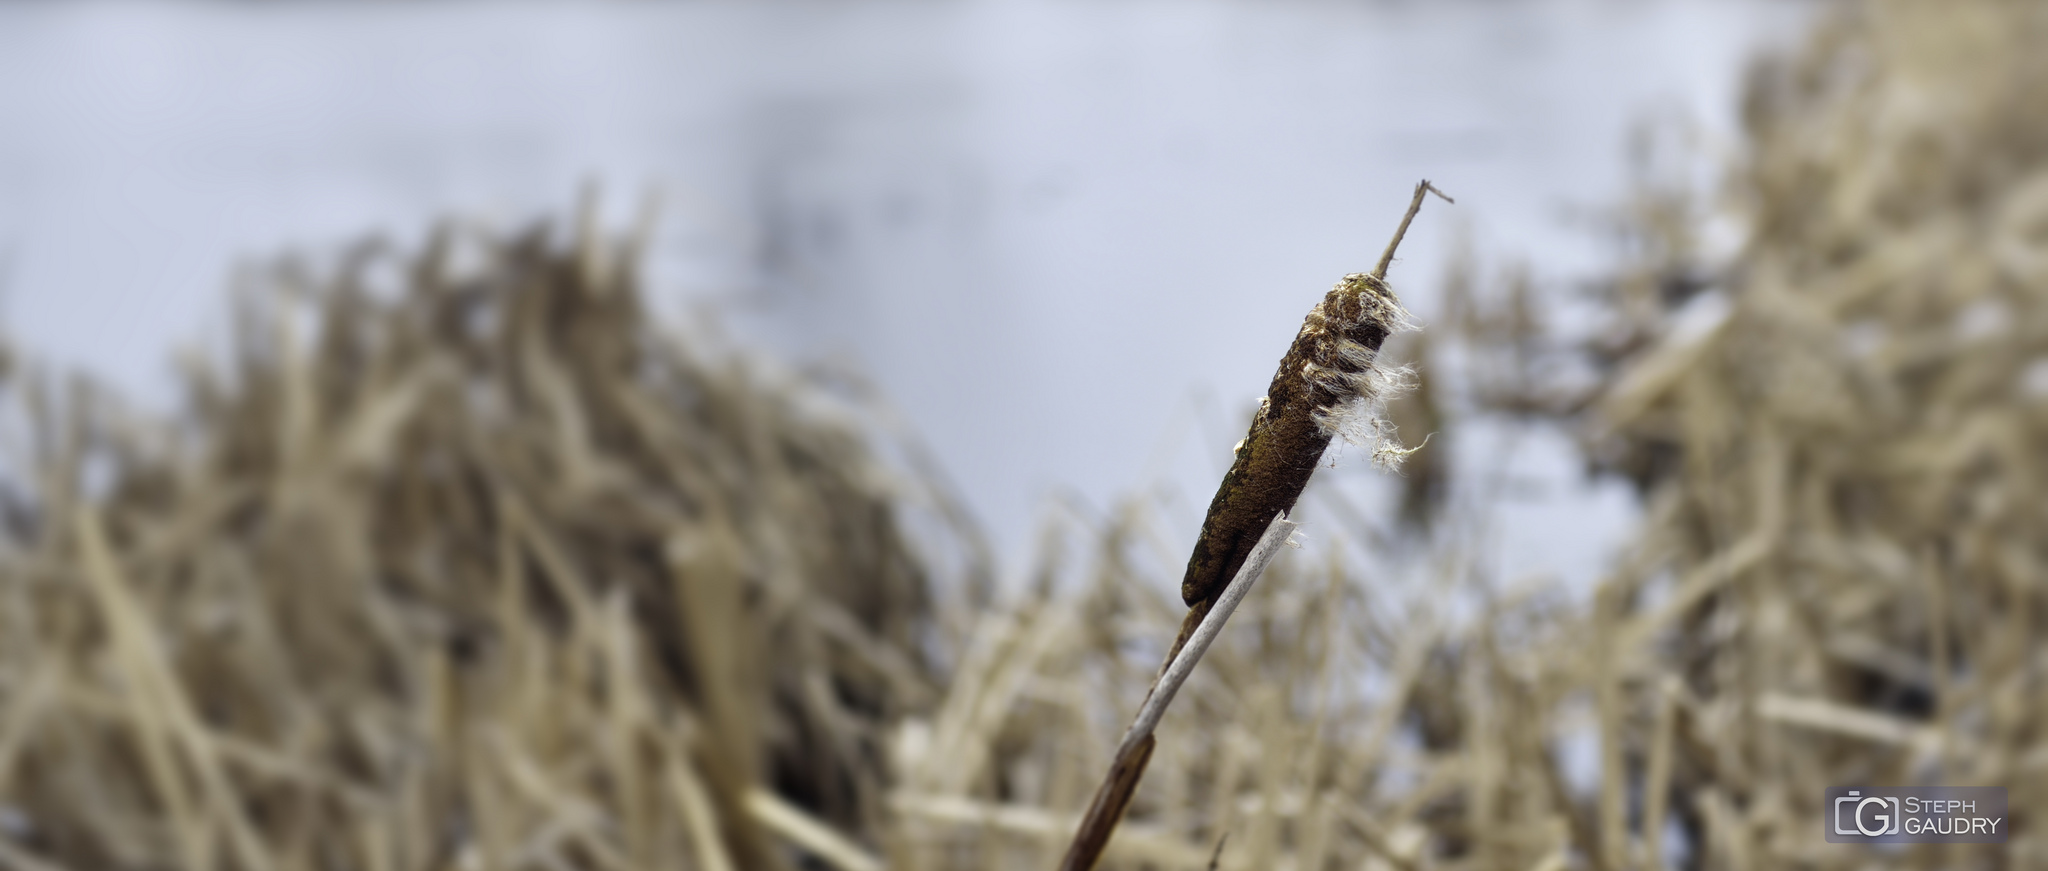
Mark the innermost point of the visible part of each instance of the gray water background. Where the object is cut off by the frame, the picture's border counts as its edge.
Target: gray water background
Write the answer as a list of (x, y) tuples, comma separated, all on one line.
[(1068, 238)]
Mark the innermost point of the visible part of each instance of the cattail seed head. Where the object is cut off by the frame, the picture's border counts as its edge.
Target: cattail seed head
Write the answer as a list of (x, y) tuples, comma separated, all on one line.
[(1329, 384)]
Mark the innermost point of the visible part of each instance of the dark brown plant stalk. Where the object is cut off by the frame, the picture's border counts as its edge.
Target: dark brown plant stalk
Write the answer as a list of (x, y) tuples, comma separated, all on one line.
[(1326, 383)]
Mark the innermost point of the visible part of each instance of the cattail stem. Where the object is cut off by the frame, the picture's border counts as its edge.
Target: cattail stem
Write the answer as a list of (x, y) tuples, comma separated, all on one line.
[(1128, 765), (1415, 205)]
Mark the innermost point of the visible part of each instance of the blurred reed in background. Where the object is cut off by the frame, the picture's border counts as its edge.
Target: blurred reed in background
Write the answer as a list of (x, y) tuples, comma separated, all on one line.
[(483, 570), (459, 560)]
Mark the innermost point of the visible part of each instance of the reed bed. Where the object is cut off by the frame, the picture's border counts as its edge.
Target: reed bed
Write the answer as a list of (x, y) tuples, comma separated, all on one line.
[(1837, 434), (458, 559)]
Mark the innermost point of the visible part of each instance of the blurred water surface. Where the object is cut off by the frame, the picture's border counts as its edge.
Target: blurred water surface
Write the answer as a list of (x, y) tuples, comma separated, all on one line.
[(1069, 239)]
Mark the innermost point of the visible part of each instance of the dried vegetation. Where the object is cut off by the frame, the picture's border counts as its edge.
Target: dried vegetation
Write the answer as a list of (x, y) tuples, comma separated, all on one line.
[(489, 572), (484, 571)]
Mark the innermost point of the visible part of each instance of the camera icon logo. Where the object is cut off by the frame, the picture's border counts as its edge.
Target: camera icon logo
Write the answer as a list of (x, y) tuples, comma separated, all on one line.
[(1914, 815), (1871, 816)]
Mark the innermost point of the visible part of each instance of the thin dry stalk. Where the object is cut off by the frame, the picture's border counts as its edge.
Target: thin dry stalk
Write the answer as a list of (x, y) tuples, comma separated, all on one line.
[(1127, 765)]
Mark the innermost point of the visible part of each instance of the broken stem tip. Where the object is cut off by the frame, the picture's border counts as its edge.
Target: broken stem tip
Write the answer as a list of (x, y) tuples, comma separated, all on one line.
[(1415, 205)]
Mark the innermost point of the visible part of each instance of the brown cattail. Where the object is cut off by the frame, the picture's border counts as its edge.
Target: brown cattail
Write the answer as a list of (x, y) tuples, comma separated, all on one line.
[(1328, 384)]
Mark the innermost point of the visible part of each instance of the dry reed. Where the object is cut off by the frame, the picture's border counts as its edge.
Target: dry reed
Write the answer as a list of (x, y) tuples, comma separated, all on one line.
[(1329, 382), (486, 571)]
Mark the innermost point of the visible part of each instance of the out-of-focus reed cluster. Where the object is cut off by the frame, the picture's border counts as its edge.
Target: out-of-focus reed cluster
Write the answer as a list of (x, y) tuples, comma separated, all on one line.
[(456, 559)]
